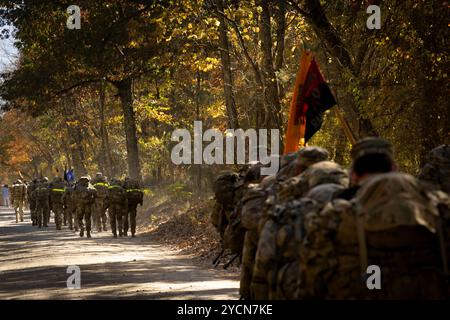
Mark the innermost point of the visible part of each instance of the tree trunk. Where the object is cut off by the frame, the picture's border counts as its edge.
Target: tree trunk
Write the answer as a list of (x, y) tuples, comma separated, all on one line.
[(75, 137), (281, 29), (197, 107), (227, 76), (129, 121), (106, 149), (273, 106)]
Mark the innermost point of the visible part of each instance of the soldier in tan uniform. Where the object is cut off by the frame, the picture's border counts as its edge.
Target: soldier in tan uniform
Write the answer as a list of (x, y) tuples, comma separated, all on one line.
[(84, 195), (135, 196), (18, 195), (56, 188)]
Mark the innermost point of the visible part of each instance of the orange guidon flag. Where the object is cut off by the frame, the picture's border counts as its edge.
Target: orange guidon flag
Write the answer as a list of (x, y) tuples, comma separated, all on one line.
[(295, 133)]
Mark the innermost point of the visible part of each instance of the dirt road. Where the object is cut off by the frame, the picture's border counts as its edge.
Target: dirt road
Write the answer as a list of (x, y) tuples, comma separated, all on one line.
[(34, 262)]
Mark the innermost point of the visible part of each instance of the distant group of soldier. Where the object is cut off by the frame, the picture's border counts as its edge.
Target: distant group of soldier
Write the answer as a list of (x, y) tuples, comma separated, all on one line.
[(82, 204), (312, 231)]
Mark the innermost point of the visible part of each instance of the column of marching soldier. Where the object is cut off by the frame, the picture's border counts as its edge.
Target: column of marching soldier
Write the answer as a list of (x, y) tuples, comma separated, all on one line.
[(313, 230), (82, 204)]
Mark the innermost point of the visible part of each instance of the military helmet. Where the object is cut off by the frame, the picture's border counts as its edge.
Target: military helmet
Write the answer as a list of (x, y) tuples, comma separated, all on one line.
[(99, 174), (87, 178), (44, 179), (309, 155), (371, 145)]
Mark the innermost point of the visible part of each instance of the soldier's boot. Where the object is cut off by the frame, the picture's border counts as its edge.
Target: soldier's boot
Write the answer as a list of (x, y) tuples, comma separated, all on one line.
[(125, 234), (81, 232), (120, 233), (104, 227), (114, 235), (133, 234), (88, 234)]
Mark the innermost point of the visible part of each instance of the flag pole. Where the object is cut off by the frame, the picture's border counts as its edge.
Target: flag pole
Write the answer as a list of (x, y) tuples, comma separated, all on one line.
[(345, 126)]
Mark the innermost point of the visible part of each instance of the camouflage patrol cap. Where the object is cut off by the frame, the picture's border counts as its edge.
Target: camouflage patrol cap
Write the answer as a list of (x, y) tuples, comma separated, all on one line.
[(371, 145), (440, 154), (309, 155), (326, 172), (324, 193)]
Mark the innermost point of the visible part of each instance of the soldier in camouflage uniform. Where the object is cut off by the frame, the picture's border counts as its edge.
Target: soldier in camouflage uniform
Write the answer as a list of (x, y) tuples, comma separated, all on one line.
[(84, 195), (135, 196), (69, 205), (255, 208), (32, 201), (436, 173), (18, 195), (42, 197), (56, 203), (101, 201), (118, 206), (386, 219), (284, 218)]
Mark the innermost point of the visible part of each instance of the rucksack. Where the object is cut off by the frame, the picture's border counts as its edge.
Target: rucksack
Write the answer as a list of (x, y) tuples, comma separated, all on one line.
[(134, 196), (42, 193), (233, 238), (116, 195), (102, 189), (391, 224), (84, 195), (224, 188)]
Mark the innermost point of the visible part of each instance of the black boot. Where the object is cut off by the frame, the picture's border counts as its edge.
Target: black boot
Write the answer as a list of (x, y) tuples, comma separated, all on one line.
[(81, 233), (88, 234)]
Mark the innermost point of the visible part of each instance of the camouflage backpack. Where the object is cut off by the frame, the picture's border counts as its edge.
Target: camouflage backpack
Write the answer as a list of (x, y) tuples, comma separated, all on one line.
[(134, 193), (116, 194), (252, 206), (224, 188), (233, 237), (437, 171), (84, 194), (56, 190), (102, 189), (42, 193), (392, 224), (18, 191), (319, 173)]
